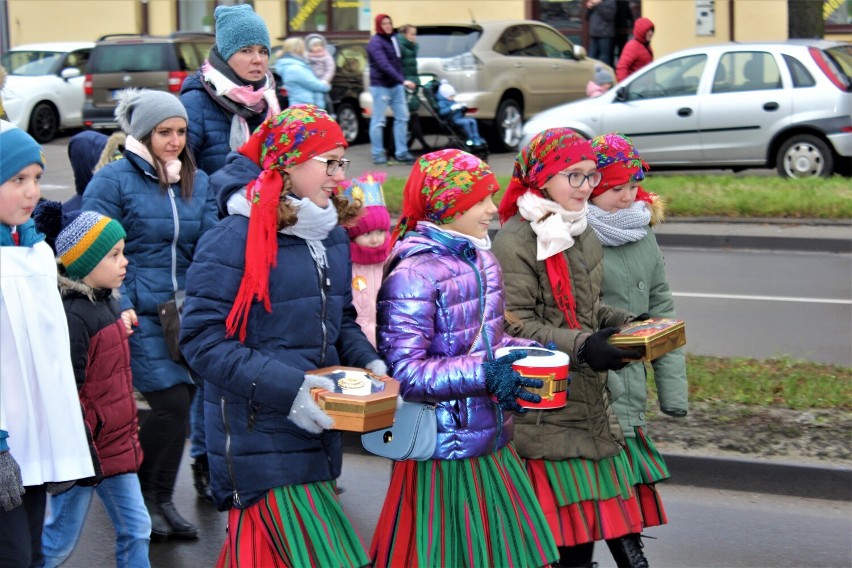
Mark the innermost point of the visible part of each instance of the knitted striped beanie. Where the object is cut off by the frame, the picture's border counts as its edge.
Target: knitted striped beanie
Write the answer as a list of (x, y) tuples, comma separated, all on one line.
[(85, 240)]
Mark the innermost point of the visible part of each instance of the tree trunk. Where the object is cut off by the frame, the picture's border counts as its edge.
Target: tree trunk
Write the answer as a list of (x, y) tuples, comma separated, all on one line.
[(804, 19)]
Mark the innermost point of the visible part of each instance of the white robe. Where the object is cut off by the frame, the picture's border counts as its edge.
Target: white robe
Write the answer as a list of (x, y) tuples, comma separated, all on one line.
[(39, 405)]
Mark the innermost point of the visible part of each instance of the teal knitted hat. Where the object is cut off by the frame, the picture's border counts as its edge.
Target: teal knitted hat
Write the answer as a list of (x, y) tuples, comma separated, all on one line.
[(17, 151), (238, 27), (85, 240)]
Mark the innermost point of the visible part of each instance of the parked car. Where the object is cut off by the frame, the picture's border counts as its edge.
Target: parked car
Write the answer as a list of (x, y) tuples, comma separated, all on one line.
[(44, 86), (350, 57), (119, 61), (503, 71), (784, 105)]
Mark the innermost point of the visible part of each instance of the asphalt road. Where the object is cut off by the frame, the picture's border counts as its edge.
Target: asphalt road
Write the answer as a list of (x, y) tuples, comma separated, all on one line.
[(707, 528)]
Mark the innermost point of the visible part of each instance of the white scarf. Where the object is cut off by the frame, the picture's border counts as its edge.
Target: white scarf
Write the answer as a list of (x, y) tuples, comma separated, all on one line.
[(313, 223), (555, 228), (621, 226), (480, 244), (172, 167)]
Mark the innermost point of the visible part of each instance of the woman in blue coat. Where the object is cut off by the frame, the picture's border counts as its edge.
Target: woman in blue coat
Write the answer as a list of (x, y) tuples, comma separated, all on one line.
[(165, 205), (269, 297), (303, 87)]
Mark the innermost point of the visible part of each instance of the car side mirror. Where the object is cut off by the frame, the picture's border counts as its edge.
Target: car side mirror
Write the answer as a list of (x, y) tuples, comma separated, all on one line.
[(621, 94), (69, 73), (579, 52)]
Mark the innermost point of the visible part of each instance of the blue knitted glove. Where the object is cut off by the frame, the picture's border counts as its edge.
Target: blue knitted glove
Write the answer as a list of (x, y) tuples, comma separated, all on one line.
[(506, 384), (552, 346)]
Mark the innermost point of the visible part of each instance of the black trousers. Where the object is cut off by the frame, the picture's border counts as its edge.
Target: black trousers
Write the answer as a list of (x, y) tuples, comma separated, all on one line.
[(20, 530), (163, 436)]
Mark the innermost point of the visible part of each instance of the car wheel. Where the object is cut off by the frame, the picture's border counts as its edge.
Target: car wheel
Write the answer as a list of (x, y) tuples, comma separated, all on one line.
[(349, 121), (507, 125), (804, 156), (44, 123)]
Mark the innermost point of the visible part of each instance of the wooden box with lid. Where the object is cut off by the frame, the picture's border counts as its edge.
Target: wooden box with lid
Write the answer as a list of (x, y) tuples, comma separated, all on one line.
[(361, 401)]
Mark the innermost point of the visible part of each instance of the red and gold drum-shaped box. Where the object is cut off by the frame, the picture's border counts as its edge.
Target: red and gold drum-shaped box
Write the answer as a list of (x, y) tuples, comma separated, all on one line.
[(651, 337), (548, 365), (360, 402)]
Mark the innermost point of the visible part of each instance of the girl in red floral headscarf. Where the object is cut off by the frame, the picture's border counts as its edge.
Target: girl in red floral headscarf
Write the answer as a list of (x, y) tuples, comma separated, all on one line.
[(621, 213), (440, 319), (268, 299), (552, 265)]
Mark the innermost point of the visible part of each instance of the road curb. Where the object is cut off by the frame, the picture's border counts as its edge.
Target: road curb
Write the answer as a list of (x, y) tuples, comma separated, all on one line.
[(754, 242)]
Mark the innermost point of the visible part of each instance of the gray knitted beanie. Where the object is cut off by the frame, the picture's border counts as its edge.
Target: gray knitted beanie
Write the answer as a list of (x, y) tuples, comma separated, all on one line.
[(140, 110)]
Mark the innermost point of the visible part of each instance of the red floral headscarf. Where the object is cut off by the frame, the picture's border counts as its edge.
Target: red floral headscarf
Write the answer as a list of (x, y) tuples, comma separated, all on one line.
[(293, 136), (619, 163), (442, 186), (547, 154)]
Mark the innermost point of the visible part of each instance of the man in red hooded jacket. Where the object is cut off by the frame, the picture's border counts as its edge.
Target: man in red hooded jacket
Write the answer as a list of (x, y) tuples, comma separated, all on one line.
[(637, 52)]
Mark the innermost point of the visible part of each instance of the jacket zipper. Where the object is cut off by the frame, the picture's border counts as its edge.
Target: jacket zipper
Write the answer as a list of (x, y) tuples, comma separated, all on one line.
[(176, 221), (228, 457), (324, 284)]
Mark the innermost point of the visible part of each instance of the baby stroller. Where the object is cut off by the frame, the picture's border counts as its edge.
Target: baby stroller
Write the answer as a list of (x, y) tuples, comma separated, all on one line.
[(457, 137)]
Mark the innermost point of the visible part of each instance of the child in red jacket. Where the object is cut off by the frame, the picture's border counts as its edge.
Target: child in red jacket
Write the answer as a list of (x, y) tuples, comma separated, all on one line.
[(90, 251)]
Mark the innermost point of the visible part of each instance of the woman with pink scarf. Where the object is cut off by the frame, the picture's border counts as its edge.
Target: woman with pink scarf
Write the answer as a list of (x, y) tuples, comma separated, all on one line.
[(230, 96)]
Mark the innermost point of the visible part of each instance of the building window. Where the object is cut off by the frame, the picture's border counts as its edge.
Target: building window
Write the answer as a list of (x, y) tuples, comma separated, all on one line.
[(305, 16), (838, 16)]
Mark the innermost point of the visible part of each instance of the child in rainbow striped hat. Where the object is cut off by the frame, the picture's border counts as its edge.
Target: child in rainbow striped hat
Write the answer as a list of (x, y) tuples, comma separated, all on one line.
[(89, 248)]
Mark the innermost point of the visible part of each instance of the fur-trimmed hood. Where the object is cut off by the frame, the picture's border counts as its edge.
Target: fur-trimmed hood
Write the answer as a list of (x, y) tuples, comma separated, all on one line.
[(69, 285), (658, 209)]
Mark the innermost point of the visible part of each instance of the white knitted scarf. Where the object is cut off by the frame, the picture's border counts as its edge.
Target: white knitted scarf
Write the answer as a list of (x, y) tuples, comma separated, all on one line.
[(555, 228)]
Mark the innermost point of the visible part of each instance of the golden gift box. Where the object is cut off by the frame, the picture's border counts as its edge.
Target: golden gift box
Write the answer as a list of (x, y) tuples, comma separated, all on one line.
[(651, 337), (357, 412)]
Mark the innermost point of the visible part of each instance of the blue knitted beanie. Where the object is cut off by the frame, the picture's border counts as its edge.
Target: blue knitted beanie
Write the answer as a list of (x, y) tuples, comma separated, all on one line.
[(238, 27), (17, 151)]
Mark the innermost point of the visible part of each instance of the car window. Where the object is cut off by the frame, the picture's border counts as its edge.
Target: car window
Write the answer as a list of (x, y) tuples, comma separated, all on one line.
[(519, 41), (192, 55), (675, 78), (351, 59), (746, 71), (842, 57), (801, 76), (446, 41), (77, 59), (31, 63), (553, 44), (127, 58)]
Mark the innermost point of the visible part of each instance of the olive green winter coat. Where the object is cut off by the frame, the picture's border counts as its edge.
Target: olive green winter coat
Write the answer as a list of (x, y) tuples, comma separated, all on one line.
[(586, 427), (635, 279)]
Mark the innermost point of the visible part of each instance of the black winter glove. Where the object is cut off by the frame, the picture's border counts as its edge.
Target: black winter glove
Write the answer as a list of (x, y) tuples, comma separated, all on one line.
[(11, 485), (601, 356), (506, 384), (642, 317)]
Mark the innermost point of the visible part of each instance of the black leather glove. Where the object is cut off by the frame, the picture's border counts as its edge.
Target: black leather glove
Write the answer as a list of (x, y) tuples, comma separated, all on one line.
[(601, 356), (642, 317), (11, 486), (506, 384)]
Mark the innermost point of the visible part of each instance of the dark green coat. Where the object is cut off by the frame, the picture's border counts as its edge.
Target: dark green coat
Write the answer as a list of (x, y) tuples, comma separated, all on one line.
[(586, 427), (408, 54)]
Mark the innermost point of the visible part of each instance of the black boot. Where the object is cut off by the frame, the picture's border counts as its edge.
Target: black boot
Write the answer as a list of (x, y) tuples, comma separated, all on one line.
[(627, 551), (201, 477), (181, 528), (579, 556), (161, 530)]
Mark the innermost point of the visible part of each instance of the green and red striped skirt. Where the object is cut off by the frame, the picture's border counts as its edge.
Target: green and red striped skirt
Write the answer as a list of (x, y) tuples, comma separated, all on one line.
[(648, 468), (586, 500), (475, 512), (296, 526)]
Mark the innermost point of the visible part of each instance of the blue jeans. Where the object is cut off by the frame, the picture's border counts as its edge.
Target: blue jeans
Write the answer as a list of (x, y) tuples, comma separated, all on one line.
[(121, 496), (393, 97), (601, 48), (467, 124)]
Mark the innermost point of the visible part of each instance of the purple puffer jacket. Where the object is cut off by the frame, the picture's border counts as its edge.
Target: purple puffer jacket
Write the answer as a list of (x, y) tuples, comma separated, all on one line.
[(428, 318)]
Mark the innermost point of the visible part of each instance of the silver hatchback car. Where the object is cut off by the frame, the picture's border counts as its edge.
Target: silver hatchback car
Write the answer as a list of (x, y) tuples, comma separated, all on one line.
[(785, 105)]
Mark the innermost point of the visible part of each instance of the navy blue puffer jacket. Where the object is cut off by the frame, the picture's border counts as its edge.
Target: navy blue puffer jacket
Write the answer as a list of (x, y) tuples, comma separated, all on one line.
[(250, 387), (162, 232)]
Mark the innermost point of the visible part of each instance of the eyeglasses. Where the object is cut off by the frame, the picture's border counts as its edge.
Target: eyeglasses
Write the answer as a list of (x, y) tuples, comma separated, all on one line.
[(576, 179), (331, 166)]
